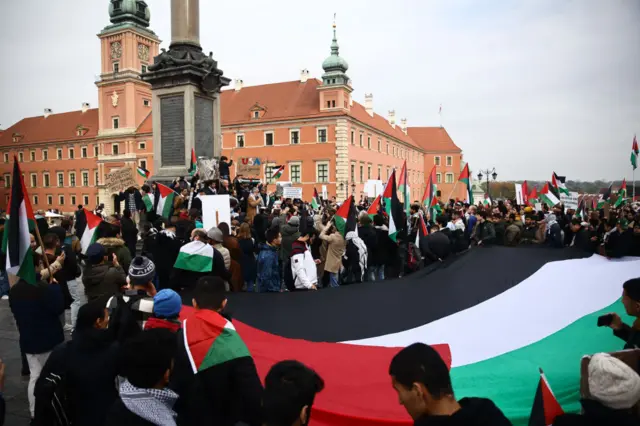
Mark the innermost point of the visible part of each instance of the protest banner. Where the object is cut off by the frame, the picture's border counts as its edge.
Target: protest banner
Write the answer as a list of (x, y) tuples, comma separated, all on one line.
[(280, 186), (215, 210), (118, 180), (373, 188), (519, 196), (249, 166), (292, 192), (570, 201)]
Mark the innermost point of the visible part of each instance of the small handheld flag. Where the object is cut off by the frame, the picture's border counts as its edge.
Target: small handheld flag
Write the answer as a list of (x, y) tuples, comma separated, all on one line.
[(634, 153), (315, 201), (193, 166), (465, 177), (545, 407), (144, 172), (276, 172), (622, 194)]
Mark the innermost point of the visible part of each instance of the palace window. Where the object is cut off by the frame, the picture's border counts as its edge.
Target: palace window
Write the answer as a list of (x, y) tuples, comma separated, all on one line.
[(21, 157), (95, 151), (256, 114), (449, 160), (61, 200), (240, 141), (71, 154), (72, 179), (295, 172), (96, 177), (361, 139), (60, 180), (353, 172), (115, 149), (34, 180), (322, 135), (116, 67), (369, 171), (142, 145), (361, 173), (268, 138), (387, 148), (448, 178), (379, 173), (73, 200), (59, 154), (322, 172), (353, 137), (146, 102), (49, 199), (115, 122), (268, 171), (6, 157), (144, 70), (368, 142), (45, 155), (436, 160), (143, 164), (295, 137), (438, 177), (85, 178), (7, 181), (45, 180), (85, 200), (379, 145), (83, 152), (35, 200)]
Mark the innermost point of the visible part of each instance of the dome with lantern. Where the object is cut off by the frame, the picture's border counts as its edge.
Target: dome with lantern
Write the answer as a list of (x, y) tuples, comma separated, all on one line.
[(129, 11)]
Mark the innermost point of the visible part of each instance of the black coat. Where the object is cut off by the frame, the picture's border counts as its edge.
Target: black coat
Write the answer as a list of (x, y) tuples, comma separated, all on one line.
[(81, 222), (37, 309), (129, 234), (370, 239), (472, 412), (223, 168), (248, 261), (139, 204), (164, 250), (225, 394), (596, 414), (386, 251), (619, 244), (435, 246), (554, 236), (582, 240)]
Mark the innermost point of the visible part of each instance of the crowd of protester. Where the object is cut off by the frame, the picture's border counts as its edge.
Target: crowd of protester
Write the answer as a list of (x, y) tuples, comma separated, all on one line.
[(125, 295)]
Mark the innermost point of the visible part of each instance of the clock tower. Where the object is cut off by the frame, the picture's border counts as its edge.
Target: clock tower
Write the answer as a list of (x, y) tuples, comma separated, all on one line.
[(128, 46)]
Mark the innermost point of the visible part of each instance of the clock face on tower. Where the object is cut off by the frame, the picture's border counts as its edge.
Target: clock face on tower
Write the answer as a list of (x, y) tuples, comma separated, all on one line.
[(143, 52), (116, 50)]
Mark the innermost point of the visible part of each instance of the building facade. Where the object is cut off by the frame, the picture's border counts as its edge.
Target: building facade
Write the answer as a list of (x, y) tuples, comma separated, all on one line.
[(312, 127)]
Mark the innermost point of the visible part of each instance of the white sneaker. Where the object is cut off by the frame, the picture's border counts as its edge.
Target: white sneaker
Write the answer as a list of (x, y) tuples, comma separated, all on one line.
[(5, 297)]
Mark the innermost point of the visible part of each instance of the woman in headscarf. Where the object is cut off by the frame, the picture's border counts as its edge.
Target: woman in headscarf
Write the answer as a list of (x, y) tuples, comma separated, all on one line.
[(553, 232), (355, 258)]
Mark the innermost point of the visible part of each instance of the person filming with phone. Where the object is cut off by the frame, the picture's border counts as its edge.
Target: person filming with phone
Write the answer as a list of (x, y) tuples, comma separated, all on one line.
[(631, 302)]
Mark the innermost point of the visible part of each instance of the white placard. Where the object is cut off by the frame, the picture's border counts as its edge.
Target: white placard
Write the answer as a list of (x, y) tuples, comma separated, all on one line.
[(570, 201), (215, 210), (538, 207), (519, 197), (292, 192), (325, 195), (373, 188)]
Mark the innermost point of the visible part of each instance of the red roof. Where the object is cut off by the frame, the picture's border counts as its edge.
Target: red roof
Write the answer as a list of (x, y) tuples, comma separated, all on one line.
[(380, 123), (433, 139), (146, 126), (56, 127)]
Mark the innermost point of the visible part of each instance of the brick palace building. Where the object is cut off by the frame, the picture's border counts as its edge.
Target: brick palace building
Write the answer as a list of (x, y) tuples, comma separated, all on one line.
[(313, 127)]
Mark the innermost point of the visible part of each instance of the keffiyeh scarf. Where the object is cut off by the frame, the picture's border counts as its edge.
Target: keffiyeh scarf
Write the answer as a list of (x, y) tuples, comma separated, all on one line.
[(362, 250), (152, 405)]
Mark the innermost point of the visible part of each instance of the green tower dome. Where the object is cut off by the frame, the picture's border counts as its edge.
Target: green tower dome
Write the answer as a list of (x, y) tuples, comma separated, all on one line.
[(334, 62), (123, 11)]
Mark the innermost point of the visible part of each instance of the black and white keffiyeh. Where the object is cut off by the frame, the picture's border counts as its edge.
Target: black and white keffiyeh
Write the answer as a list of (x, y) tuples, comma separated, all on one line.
[(362, 250), (152, 405)]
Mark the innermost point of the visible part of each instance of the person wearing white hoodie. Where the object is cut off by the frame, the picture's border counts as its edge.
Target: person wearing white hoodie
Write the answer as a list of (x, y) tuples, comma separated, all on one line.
[(303, 265)]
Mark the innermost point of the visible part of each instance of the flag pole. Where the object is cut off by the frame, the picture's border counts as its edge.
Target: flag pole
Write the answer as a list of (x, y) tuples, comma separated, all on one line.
[(633, 174), (451, 193), (44, 255)]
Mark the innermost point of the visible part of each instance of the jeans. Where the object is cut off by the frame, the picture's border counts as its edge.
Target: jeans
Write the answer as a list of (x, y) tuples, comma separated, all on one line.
[(251, 288), (76, 289), (4, 284), (333, 279), (376, 273), (36, 362)]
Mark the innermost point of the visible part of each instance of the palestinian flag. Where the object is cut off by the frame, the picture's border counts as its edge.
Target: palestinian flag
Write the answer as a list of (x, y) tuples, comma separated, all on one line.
[(430, 190), (276, 172), (421, 231), (148, 201), (488, 202), (193, 165), (16, 241), (545, 407), (525, 192), (165, 201), (622, 194), (403, 187), (634, 153), (558, 184), (581, 211), (392, 207), (315, 201), (143, 172), (210, 340), (346, 218), (604, 197), (375, 207), (532, 198), (465, 177), (351, 348), (195, 256), (89, 234), (548, 197)]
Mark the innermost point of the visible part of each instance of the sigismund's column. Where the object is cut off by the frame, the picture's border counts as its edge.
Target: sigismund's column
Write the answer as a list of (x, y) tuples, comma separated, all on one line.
[(186, 87)]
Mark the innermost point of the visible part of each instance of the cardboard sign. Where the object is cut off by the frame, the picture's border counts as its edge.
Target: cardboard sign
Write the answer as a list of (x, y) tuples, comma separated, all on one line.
[(249, 166), (373, 188), (538, 207), (570, 201), (519, 196), (292, 192), (215, 210), (119, 180)]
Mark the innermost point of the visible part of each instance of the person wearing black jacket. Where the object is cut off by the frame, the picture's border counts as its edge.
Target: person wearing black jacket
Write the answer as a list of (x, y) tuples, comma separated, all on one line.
[(385, 251), (225, 393), (368, 235), (223, 168), (619, 241), (631, 302), (129, 232), (80, 221), (436, 246), (164, 251), (581, 237)]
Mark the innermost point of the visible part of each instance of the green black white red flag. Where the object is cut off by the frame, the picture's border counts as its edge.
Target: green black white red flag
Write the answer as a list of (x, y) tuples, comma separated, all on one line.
[(392, 207), (622, 194), (16, 241), (276, 172), (193, 166), (558, 183), (545, 407), (604, 197), (634, 153), (421, 231), (533, 196), (403, 187), (548, 197), (165, 197), (430, 191), (465, 177), (375, 207), (89, 234), (346, 218), (143, 172), (315, 201)]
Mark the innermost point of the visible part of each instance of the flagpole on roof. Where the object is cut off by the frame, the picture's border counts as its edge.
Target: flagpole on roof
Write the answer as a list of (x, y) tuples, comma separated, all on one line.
[(440, 114)]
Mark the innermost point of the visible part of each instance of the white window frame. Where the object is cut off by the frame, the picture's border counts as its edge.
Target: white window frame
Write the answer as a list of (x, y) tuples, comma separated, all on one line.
[(7, 180), (117, 148), (21, 157), (84, 152), (273, 137), (82, 175), (96, 174), (46, 177), (369, 142), (369, 171), (326, 134), (353, 137), (448, 178), (35, 200), (58, 174), (143, 160), (379, 145), (45, 153), (256, 114), (244, 140), (361, 173), (323, 163), (6, 157), (143, 69), (146, 102), (49, 200), (115, 120), (436, 160), (268, 169), (61, 199), (449, 161), (85, 200), (291, 164), (352, 171), (71, 150), (379, 171), (142, 145), (114, 65), (31, 176), (387, 147), (438, 177), (74, 178), (361, 140), (291, 132), (59, 154), (72, 198)]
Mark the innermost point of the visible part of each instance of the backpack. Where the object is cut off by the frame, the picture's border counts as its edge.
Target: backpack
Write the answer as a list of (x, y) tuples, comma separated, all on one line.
[(52, 404)]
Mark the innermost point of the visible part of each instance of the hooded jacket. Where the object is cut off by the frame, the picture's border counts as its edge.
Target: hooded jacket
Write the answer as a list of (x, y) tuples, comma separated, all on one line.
[(473, 412), (290, 234), (303, 267), (116, 245), (103, 280)]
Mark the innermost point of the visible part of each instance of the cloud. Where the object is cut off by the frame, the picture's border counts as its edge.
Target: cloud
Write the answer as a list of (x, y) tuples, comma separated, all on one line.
[(528, 87)]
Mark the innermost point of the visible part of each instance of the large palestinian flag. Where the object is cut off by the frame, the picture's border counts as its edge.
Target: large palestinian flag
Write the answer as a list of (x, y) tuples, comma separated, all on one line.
[(430, 190), (392, 207), (558, 183), (16, 241), (89, 234), (164, 206), (375, 207), (195, 256), (346, 218), (495, 334), (548, 196), (465, 177), (403, 187)]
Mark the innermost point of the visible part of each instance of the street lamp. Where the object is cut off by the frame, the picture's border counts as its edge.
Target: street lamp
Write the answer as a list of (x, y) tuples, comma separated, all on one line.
[(488, 173)]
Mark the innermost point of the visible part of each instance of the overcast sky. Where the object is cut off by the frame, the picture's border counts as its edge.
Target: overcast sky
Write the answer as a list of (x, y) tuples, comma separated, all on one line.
[(527, 86)]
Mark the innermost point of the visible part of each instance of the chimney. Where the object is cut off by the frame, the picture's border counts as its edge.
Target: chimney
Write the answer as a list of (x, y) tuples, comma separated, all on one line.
[(238, 84), (304, 75), (368, 103), (47, 112), (392, 118), (85, 107), (403, 125)]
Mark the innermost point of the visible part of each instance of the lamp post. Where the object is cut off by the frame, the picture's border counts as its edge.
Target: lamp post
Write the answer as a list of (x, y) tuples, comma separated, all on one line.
[(488, 173)]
